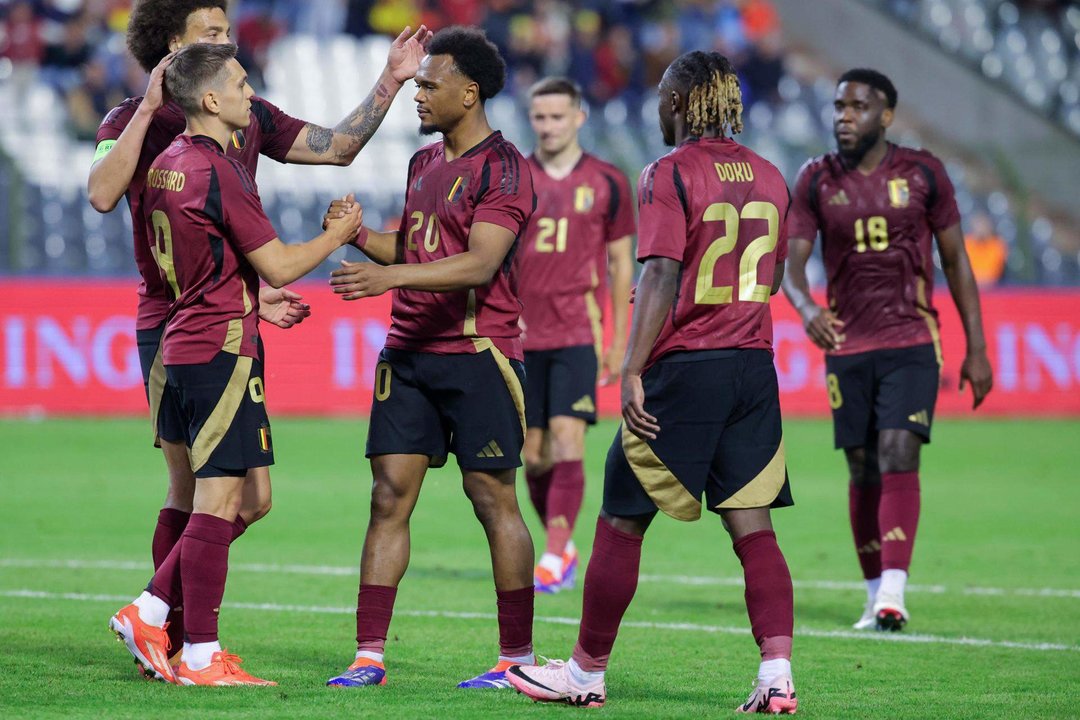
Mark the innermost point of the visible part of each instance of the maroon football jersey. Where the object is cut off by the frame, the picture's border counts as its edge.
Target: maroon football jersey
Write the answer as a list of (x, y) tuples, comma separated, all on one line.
[(203, 214), (270, 133), (490, 183), (876, 241), (718, 208), (562, 264)]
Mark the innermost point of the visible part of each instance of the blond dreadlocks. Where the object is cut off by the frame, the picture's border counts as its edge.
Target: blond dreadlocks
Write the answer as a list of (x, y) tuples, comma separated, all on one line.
[(713, 97)]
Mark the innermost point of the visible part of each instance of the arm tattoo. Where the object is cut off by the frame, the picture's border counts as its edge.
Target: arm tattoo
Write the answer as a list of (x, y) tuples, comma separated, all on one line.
[(319, 138), (362, 122)]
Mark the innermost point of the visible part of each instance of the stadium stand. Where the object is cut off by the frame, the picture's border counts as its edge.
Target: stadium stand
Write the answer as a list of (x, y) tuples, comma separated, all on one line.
[(63, 61)]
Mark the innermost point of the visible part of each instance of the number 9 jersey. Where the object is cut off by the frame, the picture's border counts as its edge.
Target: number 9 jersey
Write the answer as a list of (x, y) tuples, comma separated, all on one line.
[(719, 209)]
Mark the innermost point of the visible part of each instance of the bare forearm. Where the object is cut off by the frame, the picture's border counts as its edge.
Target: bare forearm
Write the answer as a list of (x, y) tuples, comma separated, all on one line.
[(341, 145), (296, 261), (457, 272), (622, 275), (655, 295), (965, 294), (795, 284), (111, 175), (381, 247)]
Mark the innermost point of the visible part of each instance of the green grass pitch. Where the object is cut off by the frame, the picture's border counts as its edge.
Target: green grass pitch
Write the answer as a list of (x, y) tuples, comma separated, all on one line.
[(995, 629)]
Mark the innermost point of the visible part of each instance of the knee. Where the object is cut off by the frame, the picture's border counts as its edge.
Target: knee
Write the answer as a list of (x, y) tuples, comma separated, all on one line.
[(534, 462), (567, 445), (257, 511), (385, 501), (897, 453)]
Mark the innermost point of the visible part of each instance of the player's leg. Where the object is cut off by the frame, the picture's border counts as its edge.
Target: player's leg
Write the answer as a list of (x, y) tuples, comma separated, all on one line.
[(864, 495), (850, 383), (572, 406), (405, 437), (536, 450), (558, 563), (494, 502), (610, 583), (904, 407)]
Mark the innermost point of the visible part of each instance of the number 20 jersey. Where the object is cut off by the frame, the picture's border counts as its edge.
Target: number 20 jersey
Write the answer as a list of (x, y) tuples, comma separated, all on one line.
[(876, 241), (719, 209)]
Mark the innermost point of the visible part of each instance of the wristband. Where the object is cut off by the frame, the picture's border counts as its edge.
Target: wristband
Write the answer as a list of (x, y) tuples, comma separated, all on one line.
[(361, 238)]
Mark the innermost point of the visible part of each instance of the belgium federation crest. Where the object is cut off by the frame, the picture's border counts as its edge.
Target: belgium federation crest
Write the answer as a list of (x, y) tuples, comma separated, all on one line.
[(583, 198), (238, 139), (456, 190), (899, 195)]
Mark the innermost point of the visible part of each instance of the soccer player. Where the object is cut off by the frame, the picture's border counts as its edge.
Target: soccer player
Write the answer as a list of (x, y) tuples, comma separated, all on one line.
[(212, 242), (580, 233), (700, 402), (129, 139), (878, 207), (450, 376)]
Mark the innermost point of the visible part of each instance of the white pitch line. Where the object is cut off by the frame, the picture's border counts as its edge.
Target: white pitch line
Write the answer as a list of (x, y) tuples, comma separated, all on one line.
[(692, 580), (548, 620)]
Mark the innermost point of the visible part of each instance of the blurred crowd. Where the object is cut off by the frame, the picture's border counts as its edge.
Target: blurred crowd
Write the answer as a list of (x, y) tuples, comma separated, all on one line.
[(612, 48)]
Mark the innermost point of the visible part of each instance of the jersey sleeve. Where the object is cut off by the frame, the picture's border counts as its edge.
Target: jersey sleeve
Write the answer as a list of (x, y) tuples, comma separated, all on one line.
[(113, 126), (620, 219), (242, 212), (942, 210), (661, 212), (802, 219), (278, 129), (508, 200)]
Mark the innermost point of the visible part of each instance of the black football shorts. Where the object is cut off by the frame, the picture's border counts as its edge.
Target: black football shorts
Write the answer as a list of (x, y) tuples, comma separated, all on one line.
[(223, 407), (165, 417), (470, 404), (720, 439), (560, 382), (892, 389)]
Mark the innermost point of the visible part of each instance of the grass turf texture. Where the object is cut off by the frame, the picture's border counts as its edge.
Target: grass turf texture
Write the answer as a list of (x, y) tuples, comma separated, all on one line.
[(999, 511)]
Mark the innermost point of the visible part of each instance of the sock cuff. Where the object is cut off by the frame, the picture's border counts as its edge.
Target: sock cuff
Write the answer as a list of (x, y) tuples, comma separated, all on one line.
[(899, 482), (171, 517), (744, 545), (515, 596), (379, 591), (209, 528), (610, 534), (239, 526)]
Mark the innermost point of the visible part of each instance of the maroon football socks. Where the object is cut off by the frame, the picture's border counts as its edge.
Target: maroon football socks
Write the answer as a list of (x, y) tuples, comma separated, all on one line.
[(539, 485), (170, 526), (863, 503), (898, 518), (374, 608), (610, 582), (204, 565), (769, 600), (515, 621), (563, 503)]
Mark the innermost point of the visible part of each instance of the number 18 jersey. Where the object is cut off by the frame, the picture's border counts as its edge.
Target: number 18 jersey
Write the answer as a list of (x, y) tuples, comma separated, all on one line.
[(719, 209)]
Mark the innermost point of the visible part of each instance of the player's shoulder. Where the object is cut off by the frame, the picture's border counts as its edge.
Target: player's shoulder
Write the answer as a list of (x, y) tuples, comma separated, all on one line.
[(826, 162), (122, 113), (920, 157), (426, 154)]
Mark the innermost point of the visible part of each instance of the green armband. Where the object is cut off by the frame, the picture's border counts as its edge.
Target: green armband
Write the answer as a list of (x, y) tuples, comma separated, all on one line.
[(103, 149)]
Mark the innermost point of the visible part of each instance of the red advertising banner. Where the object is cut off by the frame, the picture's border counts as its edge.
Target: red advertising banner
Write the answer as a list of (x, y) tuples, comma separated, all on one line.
[(67, 347)]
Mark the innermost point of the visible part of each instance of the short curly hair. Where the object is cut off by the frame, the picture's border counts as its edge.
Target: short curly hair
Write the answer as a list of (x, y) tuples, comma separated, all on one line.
[(154, 23), (474, 55)]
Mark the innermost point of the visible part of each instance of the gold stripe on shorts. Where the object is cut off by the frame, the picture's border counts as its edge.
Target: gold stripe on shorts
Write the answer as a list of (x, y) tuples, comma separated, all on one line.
[(663, 487), (156, 389), (763, 489), (513, 383), (222, 417)]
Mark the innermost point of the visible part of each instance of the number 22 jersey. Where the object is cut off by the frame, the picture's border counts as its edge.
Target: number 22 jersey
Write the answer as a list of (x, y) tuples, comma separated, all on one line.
[(719, 209)]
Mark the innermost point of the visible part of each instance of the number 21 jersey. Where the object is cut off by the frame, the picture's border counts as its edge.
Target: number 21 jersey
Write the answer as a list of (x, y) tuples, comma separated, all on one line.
[(719, 209)]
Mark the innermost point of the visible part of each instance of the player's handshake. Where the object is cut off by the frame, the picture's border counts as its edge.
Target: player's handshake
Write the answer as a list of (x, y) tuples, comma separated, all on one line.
[(343, 219)]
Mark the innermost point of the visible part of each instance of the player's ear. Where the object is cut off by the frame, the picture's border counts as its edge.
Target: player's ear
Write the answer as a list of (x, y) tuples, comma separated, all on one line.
[(472, 95), (210, 103), (579, 119), (175, 43), (886, 117), (676, 103)]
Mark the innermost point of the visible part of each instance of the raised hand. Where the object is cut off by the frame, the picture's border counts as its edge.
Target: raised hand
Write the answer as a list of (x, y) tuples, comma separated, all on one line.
[(154, 97), (338, 208), (406, 53), (343, 223)]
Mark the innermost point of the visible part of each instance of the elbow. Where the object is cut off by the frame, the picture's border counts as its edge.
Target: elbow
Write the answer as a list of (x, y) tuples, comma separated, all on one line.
[(276, 279), (481, 276), (101, 204)]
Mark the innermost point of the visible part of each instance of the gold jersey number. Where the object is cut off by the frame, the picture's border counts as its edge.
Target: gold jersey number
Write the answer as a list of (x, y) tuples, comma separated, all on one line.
[(875, 230), (750, 290), (163, 249), (431, 235), (548, 228)]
